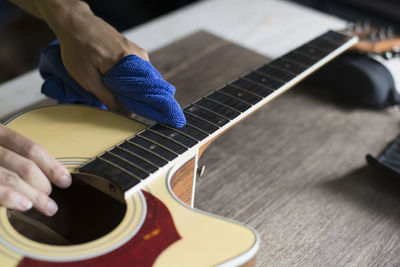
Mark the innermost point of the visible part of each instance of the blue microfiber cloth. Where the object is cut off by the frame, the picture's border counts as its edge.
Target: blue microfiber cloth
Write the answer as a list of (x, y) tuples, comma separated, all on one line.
[(137, 85)]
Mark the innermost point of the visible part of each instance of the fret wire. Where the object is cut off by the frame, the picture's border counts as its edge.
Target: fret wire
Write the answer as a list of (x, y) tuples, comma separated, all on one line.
[(250, 92), (127, 161), (305, 54), (279, 68), (167, 137), (307, 57), (197, 128), (222, 104), (200, 118), (326, 38), (138, 156), (316, 52), (234, 97), (259, 84), (118, 167), (209, 110), (320, 48), (178, 131), (283, 69), (298, 63), (148, 150), (160, 145), (269, 76)]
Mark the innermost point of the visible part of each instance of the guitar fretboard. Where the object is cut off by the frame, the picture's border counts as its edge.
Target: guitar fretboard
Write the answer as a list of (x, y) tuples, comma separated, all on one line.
[(137, 158)]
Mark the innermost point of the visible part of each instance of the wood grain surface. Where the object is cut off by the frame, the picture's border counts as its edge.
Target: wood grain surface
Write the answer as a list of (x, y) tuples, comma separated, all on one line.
[(295, 170), (182, 182)]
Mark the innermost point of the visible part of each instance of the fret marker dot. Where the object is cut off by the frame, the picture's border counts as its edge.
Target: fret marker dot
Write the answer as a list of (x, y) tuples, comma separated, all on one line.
[(240, 94), (172, 134), (287, 65), (263, 80), (152, 147), (220, 121)]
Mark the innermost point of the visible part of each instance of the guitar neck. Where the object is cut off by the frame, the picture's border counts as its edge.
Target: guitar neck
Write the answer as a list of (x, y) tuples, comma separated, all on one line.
[(135, 161)]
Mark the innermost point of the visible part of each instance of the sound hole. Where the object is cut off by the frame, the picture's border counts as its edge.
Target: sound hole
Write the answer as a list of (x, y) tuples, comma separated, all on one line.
[(85, 213)]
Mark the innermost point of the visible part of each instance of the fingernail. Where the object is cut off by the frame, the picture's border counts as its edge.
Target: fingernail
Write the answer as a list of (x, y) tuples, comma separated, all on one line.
[(51, 208), (24, 203), (65, 181)]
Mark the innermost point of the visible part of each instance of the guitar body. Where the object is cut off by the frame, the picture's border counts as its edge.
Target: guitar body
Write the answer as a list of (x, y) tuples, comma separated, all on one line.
[(157, 227)]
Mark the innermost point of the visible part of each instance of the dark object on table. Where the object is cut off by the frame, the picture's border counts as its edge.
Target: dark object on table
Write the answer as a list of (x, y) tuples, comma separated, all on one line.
[(359, 78), (389, 160)]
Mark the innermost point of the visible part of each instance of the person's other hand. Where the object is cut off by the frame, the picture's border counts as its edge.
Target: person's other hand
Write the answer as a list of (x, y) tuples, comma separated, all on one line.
[(26, 170), (90, 47)]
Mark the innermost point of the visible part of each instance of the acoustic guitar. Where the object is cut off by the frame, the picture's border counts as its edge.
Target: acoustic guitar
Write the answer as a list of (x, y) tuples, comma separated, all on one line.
[(130, 203)]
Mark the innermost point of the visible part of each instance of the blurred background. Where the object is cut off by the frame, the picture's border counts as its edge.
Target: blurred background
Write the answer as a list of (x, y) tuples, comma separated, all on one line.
[(22, 37), (379, 12)]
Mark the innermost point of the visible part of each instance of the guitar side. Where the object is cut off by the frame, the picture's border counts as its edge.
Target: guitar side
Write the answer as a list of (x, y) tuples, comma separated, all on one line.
[(74, 134)]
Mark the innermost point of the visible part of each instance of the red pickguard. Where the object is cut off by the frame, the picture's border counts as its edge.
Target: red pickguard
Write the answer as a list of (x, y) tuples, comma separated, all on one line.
[(157, 233)]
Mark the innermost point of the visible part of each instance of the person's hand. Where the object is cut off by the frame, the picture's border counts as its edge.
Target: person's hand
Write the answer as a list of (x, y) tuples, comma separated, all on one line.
[(26, 170), (89, 47)]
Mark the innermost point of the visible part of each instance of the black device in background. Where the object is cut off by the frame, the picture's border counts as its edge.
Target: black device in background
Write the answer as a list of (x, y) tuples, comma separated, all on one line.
[(381, 13), (359, 79), (389, 160)]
